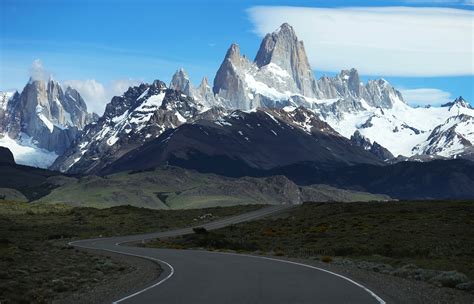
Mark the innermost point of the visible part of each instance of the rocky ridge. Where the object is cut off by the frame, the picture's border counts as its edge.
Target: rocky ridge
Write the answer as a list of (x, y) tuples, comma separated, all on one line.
[(141, 114)]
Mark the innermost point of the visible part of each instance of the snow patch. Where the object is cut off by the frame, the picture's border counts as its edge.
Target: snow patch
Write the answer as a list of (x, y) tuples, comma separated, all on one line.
[(289, 109), (273, 118), (27, 153), (44, 119), (180, 117), (281, 74), (143, 94), (221, 122), (118, 119)]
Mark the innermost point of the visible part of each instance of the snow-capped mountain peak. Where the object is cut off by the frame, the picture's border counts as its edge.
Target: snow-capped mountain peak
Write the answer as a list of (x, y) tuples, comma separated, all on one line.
[(284, 50), (457, 104), (280, 70), (42, 121), (203, 93), (450, 138), (180, 81), (281, 76)]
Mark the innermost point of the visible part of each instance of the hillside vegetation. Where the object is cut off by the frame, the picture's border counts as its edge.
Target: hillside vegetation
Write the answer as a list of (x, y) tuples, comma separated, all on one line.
[(176, 188)]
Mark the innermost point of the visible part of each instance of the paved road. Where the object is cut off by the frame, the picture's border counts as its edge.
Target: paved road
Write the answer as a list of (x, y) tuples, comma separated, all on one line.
[(192, 276)]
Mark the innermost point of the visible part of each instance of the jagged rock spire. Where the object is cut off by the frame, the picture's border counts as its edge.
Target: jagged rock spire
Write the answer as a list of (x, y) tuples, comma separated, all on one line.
[(283, 48), (229, 82)]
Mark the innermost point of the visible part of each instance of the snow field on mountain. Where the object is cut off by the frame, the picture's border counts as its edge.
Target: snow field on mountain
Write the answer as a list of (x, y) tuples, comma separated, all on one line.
[(27, 153)]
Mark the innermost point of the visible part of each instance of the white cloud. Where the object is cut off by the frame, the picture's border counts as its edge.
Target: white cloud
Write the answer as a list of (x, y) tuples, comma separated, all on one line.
[(118, 87), (93, 93), (391, 41), (426, 96), (97, 95)]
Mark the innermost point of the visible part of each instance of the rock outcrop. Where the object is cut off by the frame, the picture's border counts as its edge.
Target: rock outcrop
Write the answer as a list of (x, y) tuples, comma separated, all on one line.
[(6, 156), (374, 148)]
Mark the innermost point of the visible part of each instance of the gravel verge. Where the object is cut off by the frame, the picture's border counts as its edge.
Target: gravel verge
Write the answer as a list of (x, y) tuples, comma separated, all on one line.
[(140, 273)]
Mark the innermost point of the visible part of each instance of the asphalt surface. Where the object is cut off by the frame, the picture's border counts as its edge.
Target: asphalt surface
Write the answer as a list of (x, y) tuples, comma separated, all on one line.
[(192, 276)]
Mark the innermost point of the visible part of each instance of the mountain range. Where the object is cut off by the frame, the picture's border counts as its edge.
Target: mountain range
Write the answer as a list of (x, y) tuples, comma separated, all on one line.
[(260, 115)]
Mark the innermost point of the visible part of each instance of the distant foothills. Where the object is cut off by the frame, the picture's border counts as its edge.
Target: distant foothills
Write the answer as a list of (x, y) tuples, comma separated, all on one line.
[(261, 118)]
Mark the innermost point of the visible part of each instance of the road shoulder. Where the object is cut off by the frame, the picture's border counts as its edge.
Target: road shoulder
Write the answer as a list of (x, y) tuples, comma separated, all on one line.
[(143, 273)]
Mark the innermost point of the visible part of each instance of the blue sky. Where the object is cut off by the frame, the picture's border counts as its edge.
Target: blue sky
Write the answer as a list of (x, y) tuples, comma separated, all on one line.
[(106, 45)]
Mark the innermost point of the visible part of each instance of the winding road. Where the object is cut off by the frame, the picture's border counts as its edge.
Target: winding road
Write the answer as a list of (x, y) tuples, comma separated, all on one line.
[(193, 276)]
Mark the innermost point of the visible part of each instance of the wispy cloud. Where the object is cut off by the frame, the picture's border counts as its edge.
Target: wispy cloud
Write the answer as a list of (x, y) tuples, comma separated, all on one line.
[(37, 70), (438, 2), (93, 92), (392, 41), (426, 96)]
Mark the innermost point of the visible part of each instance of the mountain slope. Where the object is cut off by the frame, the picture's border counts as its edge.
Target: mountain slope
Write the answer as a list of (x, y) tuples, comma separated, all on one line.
[(453, 137), (438, 179), (411, 127), (245, 142), (226, 147), (18, 182)]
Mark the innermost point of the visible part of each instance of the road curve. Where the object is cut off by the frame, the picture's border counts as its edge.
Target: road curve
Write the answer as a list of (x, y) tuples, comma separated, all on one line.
[(193, 276)]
